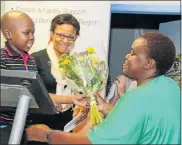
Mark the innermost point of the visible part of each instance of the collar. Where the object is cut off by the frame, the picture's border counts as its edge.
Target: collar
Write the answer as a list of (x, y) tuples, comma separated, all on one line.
[(12, 52)]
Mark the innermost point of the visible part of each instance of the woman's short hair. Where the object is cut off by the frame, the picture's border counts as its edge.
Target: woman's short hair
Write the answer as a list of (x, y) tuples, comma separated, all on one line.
[(161, 49), (65, 19)]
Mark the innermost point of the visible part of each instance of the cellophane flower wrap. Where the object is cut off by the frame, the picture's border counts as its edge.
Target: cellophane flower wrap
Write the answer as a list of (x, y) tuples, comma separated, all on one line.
[(85, 72)]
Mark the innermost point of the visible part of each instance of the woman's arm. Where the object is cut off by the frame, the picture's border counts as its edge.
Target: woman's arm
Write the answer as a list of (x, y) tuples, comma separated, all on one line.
[(115, 98), (38, 133), (79, 99), (57, 99), (59, 137)]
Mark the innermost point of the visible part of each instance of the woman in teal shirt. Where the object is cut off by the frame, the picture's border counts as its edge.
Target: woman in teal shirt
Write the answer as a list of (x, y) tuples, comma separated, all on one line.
[(149, 114)]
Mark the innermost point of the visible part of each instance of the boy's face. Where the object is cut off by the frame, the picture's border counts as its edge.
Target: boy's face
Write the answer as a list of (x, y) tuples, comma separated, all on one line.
[(63, 38), (22, 34), (136, 60)]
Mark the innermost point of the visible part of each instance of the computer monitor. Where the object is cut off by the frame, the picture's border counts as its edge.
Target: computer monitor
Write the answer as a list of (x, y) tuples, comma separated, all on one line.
[(15, 83)]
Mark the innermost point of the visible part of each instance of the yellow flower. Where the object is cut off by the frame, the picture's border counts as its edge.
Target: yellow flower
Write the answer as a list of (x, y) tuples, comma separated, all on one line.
[(65, 62), (95, 59), (91, 50)]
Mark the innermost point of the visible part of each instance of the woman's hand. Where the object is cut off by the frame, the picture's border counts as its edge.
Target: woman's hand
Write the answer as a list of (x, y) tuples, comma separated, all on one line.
[(102, 105), (37, 132), (120, 85), (119, 90), (105, 109), (80, 100)]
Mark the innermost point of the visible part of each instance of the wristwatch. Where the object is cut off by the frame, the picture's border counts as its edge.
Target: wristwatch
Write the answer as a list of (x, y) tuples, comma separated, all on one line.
[(48, 136)]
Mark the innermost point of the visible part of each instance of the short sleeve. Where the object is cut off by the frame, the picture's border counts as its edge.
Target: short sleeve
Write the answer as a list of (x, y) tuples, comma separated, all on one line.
[(122, 126)]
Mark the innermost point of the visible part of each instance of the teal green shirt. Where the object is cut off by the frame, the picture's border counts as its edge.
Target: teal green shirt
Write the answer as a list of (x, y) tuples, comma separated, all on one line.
[(149, 114)]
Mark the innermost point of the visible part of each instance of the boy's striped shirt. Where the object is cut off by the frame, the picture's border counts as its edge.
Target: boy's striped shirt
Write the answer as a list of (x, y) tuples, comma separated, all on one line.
[(12, 60)]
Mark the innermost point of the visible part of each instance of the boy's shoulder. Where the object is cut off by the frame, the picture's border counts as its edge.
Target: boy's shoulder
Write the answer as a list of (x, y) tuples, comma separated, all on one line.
[(3, 53), (8, 61), (3, 50)]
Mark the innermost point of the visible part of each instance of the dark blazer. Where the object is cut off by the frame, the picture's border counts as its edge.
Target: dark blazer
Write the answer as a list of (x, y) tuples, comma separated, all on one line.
[(44, 68)]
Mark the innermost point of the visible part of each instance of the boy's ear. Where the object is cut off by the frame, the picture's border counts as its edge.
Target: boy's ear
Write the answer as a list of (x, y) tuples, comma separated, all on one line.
[(7, 34)]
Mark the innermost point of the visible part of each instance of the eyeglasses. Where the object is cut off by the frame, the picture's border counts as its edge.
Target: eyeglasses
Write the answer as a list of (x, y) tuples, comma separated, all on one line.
[(62, 36)]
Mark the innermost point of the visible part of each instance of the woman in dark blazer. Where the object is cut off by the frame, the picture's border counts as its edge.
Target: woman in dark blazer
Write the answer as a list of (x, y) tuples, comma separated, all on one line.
[(63, 33)]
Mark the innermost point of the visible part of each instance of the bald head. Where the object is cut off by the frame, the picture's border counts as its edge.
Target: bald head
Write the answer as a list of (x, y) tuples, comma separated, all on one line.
[(11, 20), (18, 29)]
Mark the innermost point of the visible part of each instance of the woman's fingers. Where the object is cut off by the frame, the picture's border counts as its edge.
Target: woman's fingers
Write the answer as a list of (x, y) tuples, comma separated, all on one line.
[(99, 99), (121, 79)]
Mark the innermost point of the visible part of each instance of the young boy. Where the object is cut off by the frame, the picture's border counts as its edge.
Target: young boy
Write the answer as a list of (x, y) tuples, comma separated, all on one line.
[(18, 29)]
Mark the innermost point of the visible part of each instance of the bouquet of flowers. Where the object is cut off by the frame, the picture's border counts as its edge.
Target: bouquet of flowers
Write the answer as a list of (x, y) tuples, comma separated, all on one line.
[(86, 73)]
